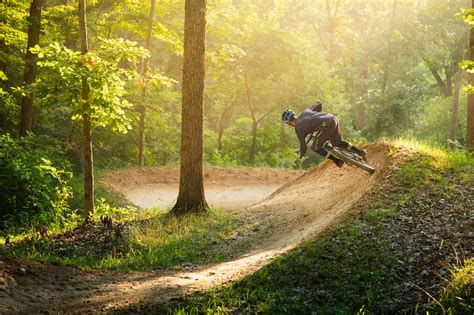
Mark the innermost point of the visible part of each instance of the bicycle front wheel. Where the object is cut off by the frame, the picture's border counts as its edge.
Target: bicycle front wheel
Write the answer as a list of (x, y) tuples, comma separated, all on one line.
[(352, 159)]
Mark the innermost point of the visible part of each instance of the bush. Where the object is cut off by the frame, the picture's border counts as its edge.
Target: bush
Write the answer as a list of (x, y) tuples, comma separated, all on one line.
[(33, 182)]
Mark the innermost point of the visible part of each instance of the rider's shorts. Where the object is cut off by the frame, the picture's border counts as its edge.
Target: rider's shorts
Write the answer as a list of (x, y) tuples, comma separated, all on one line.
[(329, 132)]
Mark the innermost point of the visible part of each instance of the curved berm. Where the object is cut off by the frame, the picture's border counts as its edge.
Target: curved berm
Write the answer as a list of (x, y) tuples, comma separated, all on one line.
[(318, 198), (296, 212)]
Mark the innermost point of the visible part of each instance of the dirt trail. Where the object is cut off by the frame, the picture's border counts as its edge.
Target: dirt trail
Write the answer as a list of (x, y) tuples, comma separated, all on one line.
[(226, 188), (294, 213)]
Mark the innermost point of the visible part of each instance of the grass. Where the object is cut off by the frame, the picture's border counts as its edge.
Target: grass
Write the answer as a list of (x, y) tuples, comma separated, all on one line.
[(358, 267), (438, 157), (160, 241), (341, 273), (361, 266), (458, 295)]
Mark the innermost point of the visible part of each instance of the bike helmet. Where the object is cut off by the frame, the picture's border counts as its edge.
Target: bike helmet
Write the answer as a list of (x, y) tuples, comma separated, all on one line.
[(288, 115)]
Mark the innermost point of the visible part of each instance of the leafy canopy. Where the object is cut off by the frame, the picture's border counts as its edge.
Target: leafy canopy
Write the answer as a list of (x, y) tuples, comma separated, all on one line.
[(107, 69)]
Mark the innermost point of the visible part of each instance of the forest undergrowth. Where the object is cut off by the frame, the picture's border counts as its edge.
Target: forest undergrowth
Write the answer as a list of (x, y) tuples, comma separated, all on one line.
[(143, 240), (407, 248)]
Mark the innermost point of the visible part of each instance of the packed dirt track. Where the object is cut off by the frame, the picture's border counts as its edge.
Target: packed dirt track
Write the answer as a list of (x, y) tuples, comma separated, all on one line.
[(296, 212), (226, 188)]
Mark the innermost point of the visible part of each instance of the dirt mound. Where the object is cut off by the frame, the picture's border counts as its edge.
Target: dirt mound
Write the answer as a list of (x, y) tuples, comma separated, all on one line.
[(318, 198), (294, 213), (219, 176), (226, 188)]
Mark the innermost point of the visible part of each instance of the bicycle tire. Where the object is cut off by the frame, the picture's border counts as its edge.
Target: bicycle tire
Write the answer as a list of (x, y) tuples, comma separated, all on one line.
[(349, 159)]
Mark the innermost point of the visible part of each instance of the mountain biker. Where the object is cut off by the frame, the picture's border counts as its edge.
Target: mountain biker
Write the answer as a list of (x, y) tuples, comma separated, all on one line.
[(313, 120)]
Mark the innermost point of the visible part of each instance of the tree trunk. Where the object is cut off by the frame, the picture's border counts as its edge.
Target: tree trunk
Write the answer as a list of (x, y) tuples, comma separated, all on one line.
[(253, 147), (470, 98), (449, 83), (361, 116), (191, 184), (360, 109), (220, 135), (142, 107), (455, 109), (3, 114), (29, 77), (388, 60), (224, 121), (86, 121), (455, 101), (441, 84), (69, 41), (331, 28)]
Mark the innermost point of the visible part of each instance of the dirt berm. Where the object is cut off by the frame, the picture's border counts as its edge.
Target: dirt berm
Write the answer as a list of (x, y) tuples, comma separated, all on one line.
[(296, 212)]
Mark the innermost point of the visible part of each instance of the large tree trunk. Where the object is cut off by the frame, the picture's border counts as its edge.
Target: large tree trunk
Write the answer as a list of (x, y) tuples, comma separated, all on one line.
[(191, 184), (361, 116), (470, 98), (142, 107), (449, 84), (86, 121), (220, 136), (34, 28)]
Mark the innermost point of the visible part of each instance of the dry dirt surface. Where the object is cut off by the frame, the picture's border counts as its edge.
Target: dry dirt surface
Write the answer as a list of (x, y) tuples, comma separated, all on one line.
[(226, 188), (296, 212)]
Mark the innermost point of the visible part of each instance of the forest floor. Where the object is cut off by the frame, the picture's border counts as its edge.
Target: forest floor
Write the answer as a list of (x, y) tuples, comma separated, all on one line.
[(297, 212)]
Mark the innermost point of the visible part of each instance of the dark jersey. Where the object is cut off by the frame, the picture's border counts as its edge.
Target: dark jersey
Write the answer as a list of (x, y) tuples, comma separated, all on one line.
[(311, 119)]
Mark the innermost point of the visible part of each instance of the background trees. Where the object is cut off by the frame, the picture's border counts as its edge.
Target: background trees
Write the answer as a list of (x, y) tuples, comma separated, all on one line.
[(470, 101), (34, 29), (385, 68)]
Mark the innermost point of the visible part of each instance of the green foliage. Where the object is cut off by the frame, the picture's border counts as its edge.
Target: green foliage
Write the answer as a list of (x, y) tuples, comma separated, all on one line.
[(12, 48), (372, 65), (468, 65), (468, 15), (33, 183), (104, 75)]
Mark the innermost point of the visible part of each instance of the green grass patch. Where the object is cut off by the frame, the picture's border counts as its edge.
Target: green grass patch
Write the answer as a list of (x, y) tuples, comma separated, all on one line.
[(160, 241), (458, 295), (377, 214), (341, 273), (457, 161)]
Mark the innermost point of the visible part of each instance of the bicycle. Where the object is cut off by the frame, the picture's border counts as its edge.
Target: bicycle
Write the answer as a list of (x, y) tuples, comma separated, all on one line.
[(349, 157)]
